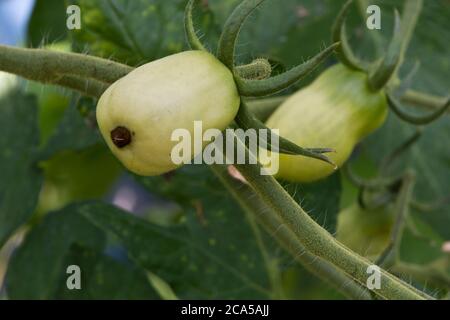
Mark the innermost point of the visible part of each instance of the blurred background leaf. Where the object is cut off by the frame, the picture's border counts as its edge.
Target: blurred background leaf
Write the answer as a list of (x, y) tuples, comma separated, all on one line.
[(47, 23), (133, 32), (38, 268), (21, 180), (213, 216), (212, 254)]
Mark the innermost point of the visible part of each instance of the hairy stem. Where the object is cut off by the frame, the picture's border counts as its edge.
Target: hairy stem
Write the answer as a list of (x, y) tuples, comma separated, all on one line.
[(267, 218), (233, 25), (432, 273), (265, 87), (317, 240), (49, 66), (89, 87), (191, 35), (257, 69), (339, 34)]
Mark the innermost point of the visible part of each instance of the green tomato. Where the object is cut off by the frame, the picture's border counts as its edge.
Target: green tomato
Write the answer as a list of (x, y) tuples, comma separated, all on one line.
[(138, 114), (365, 231), (336, 111), (77, 175)]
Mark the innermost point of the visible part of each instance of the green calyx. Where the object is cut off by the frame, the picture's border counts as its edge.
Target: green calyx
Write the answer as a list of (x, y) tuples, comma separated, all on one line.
[(246, 120), (383, 71), (253, 80), (338, 32)]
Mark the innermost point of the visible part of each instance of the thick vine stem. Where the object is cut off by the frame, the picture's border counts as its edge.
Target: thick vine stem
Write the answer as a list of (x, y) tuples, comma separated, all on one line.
[(258, 69), (246, 120), (233, 25), (317, 240), (394, 105), (49, 66), (339, 34), (433, 273), (391, 60), (254, 206), (259, 88), (191, 36), (89, 87)]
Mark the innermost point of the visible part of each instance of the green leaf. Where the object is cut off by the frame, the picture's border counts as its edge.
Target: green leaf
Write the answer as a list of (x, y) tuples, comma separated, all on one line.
[(195, 185), (210, 256), (138, 31), (102, 277), (77, 175), (47, 22), (74, 132), (38, 268), (21, 180)]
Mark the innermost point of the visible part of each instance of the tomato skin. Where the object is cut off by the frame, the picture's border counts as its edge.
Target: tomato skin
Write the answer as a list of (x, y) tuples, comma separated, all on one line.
[(336, 111), (161, 96), (365, 231)]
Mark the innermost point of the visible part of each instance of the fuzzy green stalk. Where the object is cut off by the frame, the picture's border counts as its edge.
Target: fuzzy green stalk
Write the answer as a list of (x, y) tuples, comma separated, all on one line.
[(49, 66), (317, 240), (255, 207)]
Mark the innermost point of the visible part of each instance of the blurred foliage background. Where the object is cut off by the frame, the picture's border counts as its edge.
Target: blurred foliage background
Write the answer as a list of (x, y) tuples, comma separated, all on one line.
[(65, 200)]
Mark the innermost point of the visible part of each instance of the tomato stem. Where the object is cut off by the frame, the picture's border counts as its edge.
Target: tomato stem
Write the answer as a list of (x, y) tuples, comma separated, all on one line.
[(191, 35), (345, 53), (246, 120), (233, 25), (89, 87), (433, 273), (317, 240), (394, 56), (47, 66), (258, 88), (268, 219), (391, 60)]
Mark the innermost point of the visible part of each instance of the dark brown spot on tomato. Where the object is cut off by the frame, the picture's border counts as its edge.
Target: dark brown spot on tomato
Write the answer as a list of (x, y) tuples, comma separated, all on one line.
[(121, 137)]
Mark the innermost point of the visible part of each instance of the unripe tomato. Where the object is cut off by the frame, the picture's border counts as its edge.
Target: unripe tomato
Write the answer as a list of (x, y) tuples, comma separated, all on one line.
[(138, 113), (336, 111), (365, 231)]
